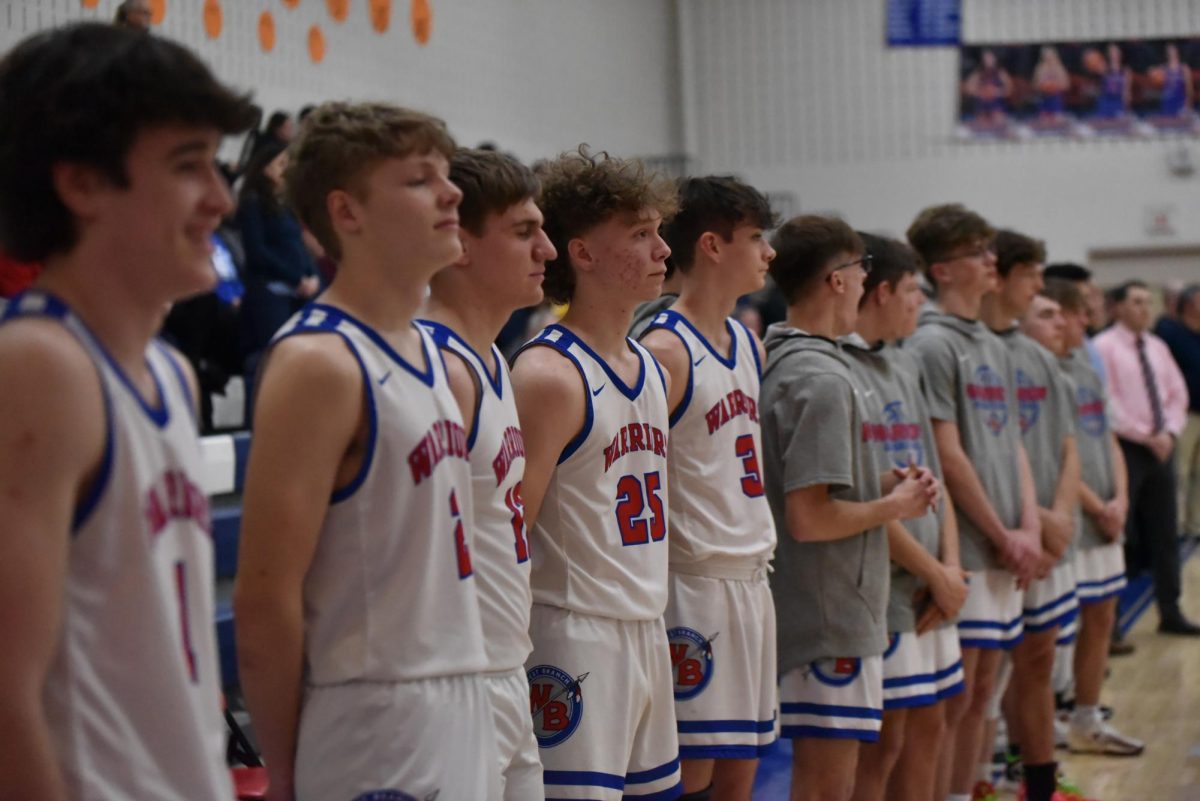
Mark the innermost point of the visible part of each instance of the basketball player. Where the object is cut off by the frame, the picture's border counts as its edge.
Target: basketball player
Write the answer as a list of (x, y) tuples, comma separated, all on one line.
[(593, 409), (359, 634), (721, 532), (830, 505), (501, 269), (1045, 411), (967, 374), (1099, 558), (109, 686), (922, 665)]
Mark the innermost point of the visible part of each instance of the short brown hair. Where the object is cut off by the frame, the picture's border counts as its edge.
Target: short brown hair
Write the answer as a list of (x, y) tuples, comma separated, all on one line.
[(491, 182), (339, 143), (803, 247), (581, 190), (1067, 294), (938, 230), (1013, 248), (891, 260)]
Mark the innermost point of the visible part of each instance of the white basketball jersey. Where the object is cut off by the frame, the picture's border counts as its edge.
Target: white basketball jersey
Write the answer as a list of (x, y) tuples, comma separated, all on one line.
[(599, 545), (718, 508), (499, 547), (390, 594), (133, 697)]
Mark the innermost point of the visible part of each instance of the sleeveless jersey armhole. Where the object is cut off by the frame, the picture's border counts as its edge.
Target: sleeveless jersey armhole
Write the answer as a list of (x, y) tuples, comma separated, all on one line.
[(589, 415), (668, 324), (750, 343), (186, 387), (91, 499)]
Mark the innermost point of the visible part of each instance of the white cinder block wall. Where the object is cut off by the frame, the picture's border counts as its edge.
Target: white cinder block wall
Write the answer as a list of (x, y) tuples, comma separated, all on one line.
[(535, 76), (802, 95)]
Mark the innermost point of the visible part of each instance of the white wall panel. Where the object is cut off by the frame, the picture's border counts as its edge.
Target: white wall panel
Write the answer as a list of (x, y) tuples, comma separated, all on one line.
[(536, 76), (803, 96)]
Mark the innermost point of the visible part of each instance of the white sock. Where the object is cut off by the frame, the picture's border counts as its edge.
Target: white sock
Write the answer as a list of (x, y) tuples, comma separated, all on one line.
[(985, 771), (1085, 717), (959, 797)]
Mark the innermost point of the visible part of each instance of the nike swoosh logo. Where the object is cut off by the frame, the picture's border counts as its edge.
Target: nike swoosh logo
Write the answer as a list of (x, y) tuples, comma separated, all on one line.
[(697, 362), (596, 392), (385, 378)]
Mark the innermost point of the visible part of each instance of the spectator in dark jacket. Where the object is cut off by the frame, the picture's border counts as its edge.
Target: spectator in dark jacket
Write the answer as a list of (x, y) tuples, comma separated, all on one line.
[(280, 273), (1182, 335)]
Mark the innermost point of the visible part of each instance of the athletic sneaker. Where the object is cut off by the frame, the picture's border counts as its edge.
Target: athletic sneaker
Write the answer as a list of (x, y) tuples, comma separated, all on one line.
[(1102, 738), (1062, 725)]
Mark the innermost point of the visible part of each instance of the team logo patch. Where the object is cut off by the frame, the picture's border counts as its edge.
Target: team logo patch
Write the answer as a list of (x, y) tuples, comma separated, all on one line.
[(1090, 408), (556, 702), (837, 672), (1030, 397), (691, 661), (905, 446), (394, 795), (987, 396)]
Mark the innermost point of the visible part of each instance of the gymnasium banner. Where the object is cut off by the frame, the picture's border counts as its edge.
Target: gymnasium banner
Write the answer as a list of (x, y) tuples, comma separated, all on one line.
[(1079, 90)]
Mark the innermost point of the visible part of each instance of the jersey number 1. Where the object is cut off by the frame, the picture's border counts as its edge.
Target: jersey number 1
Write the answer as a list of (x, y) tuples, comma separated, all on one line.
[(460, 539), (512, 499), (632, 501)]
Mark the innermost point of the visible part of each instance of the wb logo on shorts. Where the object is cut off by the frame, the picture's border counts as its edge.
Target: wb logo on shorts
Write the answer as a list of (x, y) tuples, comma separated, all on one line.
[(1091, 412), (986, 393), (556, 702), (691, 661), (394, 795), (836, 672), (1030, 398)]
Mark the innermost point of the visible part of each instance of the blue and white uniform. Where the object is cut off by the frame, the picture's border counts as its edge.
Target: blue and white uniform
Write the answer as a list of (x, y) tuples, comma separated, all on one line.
[(720, 614), (132, 698), (393, 643), (500, 557), (600, 672)]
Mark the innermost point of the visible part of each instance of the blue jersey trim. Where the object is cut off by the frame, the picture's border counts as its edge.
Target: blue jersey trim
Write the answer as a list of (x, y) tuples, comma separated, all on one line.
[(725, 726), (345, 492), (669, 794), (590, 416), (826, 733), (653, 774), (90, 501), (830, 710), (753, 345), (566, 337), (444, 334), (426, 376), (921, 678), (183, 382), (678, 412), (675, 318), (583, 778), (1066, 596)]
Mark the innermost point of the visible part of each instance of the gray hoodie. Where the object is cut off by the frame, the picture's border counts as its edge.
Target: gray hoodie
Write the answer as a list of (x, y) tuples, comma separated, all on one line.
[(968, 377), (831, 597), (901, 434)]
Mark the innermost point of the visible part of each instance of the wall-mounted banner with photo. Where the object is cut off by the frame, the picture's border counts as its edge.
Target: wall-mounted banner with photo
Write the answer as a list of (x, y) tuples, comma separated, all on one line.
[(1135, 88)]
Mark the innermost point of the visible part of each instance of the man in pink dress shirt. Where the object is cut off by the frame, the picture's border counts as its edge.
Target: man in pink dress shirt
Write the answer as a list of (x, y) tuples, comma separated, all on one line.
[(1149, 401)]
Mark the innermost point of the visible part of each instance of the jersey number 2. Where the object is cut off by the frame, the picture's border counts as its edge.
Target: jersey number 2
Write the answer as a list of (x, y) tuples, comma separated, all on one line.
[(631, 503), (512, 499), (752, 484), (460, 539)]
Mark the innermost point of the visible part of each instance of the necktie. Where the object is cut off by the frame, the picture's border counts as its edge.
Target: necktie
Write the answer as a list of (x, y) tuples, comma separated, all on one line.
[(1151, 385)]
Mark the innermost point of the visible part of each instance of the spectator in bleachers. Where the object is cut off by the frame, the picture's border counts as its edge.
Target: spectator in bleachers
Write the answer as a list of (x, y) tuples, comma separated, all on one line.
[(134, 14), (279, 130), (280, 273), (1148, 399), (1182, 335)]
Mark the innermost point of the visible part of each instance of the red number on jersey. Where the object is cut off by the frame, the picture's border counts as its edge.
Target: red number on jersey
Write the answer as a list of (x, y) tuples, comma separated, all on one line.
[(631, 503), (460, 539), (184, 618), (512, 499), (752, 485)]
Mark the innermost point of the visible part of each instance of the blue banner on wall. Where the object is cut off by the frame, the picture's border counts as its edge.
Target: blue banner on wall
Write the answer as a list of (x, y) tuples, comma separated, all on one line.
[(923, 23)]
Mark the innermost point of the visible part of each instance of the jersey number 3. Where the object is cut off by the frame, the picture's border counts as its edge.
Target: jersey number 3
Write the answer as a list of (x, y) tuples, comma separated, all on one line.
[(632, 500), (752, 485)]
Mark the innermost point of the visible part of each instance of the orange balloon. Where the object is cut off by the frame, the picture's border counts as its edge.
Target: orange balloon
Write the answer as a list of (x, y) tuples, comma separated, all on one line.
[(316, 44), (89, 3), (422, 20), (381, 15), (338, 9), (266, 32), (158, 10), (212, 18)]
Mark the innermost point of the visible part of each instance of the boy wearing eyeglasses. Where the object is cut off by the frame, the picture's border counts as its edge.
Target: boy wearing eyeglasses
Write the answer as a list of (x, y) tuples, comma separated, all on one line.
[(830, 505), (968, 375)]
